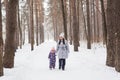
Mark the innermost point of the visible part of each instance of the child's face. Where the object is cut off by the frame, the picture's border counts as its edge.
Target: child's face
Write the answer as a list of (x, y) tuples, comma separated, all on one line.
[(53, 51)]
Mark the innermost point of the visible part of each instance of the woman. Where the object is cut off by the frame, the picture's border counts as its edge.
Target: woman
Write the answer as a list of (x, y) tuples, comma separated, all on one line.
[(62, 51)]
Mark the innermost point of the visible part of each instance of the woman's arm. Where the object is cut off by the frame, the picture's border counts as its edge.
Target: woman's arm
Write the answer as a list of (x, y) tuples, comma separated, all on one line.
[(57, 47), (67, 47)]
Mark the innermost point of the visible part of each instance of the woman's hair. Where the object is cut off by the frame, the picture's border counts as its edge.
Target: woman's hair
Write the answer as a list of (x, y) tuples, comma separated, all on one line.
[(63, 41)]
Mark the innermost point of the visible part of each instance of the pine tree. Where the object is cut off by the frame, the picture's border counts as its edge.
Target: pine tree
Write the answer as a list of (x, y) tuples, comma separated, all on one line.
[(11, 21), (1, 44)]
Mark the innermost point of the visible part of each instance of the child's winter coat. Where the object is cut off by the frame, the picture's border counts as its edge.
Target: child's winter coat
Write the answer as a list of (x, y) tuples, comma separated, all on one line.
[(52, 58)]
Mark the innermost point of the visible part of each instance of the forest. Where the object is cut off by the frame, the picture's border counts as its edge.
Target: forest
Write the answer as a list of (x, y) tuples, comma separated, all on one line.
[(35, 21)]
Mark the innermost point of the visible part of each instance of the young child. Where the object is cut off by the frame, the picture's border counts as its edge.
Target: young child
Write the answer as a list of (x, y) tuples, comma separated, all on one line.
[(52, 58)]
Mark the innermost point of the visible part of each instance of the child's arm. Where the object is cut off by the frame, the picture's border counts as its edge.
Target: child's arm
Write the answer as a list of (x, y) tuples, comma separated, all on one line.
[(57, 48), (55, 53), (49, 56)]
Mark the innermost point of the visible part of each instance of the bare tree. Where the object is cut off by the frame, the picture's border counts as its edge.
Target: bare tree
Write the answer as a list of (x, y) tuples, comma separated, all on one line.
[(117, 33), (88, 26), (104, 22), (70, 23), (19, 27), (31, 25), (110, 34), (75, 26), (63, 3), (1, 44), (11, 23), (113, 34), (36, 14)]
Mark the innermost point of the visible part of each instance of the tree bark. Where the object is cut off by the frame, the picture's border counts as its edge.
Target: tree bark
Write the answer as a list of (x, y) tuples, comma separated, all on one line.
[(110, 34), (11, 21), (1, 44), (19, 28), (84, 20), (104, 22), (64, 18), (70, 28), (88, 26), (117, 25), (36, 14), (31, 25), (75, 26), (97, 22)]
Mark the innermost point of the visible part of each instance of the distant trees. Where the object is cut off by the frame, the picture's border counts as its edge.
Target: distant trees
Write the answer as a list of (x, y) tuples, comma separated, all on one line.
[(87, 15), (31, 22), (55, 19), (16, 22)]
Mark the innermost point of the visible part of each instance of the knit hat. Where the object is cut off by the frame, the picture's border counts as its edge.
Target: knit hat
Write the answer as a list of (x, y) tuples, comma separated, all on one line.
[(61, 35), (53, 49)]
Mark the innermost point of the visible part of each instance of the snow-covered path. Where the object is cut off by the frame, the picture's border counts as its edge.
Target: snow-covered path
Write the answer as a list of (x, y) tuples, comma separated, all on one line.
[(82, 65)]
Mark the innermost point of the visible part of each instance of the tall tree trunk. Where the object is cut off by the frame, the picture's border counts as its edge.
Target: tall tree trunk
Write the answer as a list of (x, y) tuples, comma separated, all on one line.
[(88, 26), (78, 16), (1, 44), (84, 20), (11, 20), (113, 34), (64, 17), (28, 22), (75, 27), (70, 28), (104, 22), (97, 21), (110, 34), (42, 33), (36, 11), (16, 38), (19, 28), (31, 25), (42, 26), (23, 39), (94, 21), (117, 25)]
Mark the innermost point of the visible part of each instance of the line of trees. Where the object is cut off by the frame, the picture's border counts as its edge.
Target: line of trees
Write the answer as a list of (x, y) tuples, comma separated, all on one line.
[(79, 20), (24, 18), (92, 21)]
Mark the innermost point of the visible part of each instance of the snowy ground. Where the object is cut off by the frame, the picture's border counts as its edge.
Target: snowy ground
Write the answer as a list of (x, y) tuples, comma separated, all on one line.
[(82, 65)]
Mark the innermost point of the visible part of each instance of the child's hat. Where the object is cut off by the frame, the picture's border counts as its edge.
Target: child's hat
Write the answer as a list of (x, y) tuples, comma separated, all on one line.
[(53, 48)]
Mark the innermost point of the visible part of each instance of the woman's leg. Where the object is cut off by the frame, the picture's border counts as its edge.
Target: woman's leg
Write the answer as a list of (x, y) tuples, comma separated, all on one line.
[(60, 63), (63, 64)]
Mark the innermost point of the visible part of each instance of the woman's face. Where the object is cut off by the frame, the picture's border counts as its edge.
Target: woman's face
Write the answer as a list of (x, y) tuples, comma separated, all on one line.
[(61, 38)]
